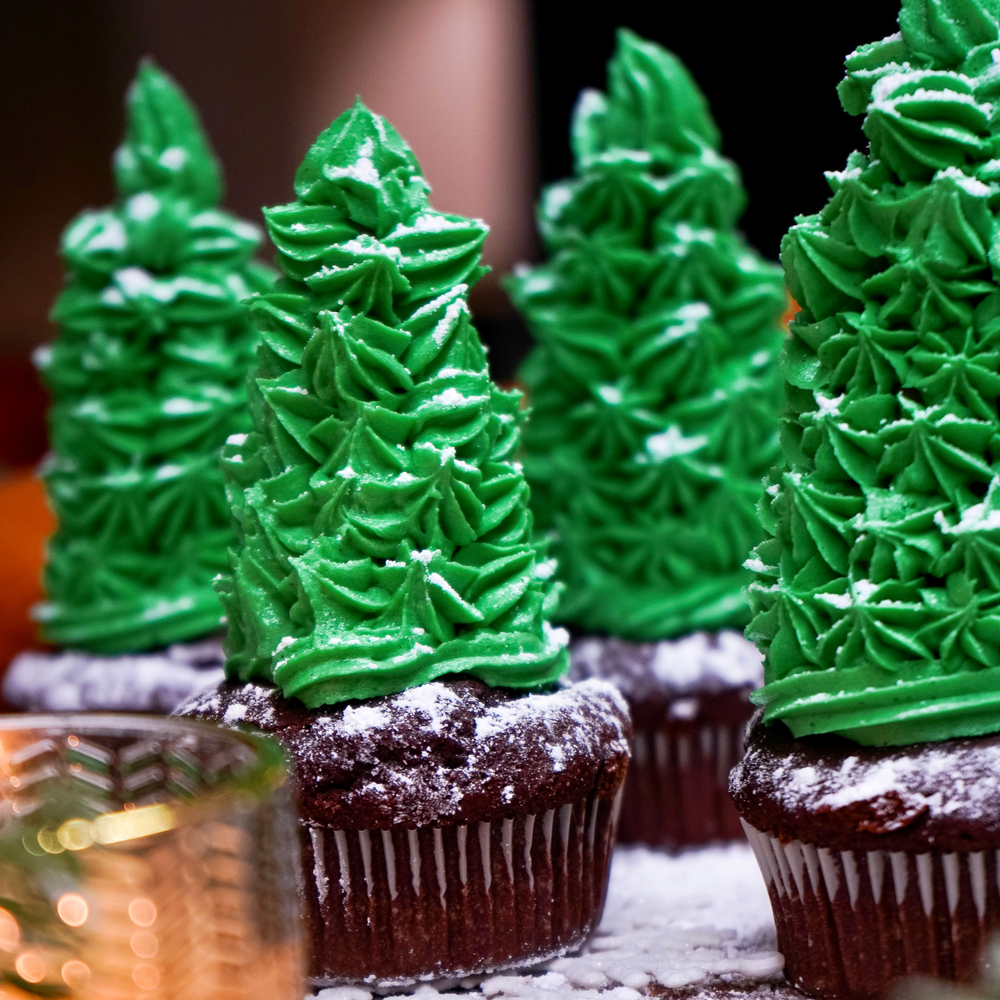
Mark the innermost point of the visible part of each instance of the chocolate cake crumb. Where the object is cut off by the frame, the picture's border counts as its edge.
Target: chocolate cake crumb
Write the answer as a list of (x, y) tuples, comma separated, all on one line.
[(690, 704), (827, 790), (704, 677), (448, 752)]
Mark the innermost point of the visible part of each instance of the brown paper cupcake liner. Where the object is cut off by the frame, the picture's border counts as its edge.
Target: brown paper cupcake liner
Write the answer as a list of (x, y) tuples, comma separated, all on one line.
[(386, 906), (850, 922), (677, 788)]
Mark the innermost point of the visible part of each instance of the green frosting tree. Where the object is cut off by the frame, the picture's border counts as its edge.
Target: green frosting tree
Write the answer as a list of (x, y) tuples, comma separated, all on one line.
[(878, 602), (384, 535), (654, 388), (147, 377)]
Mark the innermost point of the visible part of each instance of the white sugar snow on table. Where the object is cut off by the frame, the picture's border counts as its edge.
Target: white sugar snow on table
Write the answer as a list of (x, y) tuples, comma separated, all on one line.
[(691, 925)]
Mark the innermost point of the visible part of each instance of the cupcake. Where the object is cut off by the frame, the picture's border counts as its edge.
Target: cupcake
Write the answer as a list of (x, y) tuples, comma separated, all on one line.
[(690, 703), (388, 606), (655, 401), (147, 377), (869, 786)]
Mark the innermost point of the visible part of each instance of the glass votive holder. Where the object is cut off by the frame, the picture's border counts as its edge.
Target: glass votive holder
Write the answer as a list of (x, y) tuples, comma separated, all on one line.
[(145, 858)]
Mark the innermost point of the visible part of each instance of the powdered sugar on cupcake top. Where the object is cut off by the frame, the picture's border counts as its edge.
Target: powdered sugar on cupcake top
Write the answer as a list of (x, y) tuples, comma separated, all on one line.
[(702, 663), (452, 750), (828, 790), (71, 681)]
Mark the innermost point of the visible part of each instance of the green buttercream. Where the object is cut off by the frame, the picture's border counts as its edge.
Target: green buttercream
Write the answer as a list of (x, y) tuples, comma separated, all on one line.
[(147, 377), (384, 534), (654, 386), (878, 599)]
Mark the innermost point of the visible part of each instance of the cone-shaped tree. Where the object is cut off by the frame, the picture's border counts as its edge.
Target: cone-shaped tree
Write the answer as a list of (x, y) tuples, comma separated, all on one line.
[(148, 379), (384, 535), (654, 392), (878, 602)]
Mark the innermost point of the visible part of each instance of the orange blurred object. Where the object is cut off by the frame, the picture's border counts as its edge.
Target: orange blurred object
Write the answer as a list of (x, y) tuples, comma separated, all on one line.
[(793, 308), (25, 524)]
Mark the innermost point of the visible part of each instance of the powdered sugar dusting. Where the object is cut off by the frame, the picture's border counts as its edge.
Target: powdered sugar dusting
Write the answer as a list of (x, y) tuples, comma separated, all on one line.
[(356, 719), (913, 773), (830, 792), (698, 663), (446, 750), (72, 681)]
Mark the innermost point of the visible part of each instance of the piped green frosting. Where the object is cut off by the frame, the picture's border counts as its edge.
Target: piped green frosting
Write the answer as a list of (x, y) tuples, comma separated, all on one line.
[(878, 600), (384, 533), (147, 377), (654, 388)]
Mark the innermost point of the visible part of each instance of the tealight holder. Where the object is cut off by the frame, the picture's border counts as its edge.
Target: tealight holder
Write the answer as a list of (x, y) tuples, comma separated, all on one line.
[(145, 858)]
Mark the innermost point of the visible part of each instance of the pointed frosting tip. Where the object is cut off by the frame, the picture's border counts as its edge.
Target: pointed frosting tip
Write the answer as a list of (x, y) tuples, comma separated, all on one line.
[(165, 145), (361, 165), (375, 417), (653, 103), (654, 384), (148, 375)]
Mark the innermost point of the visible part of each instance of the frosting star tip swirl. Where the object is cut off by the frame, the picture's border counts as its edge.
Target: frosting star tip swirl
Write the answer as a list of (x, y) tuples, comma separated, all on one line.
[(879, 611), (384, 535)]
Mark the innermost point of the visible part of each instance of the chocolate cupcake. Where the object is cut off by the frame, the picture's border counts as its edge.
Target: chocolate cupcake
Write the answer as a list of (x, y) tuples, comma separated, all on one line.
[(881, 862), (869, 790), (655, 400), (690, 706), (449, 829), (148, 379), (387, 584)]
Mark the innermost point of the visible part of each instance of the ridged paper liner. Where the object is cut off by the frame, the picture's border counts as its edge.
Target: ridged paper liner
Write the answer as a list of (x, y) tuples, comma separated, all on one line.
[(677, 789), (850, 922), (393, 906)]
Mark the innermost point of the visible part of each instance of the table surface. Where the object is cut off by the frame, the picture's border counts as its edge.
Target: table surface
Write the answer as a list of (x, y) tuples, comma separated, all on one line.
[(690, 926)]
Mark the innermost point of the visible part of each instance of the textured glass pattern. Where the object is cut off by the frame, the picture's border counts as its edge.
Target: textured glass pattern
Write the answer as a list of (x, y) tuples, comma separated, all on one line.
[(145, 858)]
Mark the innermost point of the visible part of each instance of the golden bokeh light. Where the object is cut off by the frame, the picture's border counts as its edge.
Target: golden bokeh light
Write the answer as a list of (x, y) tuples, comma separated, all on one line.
[(30, 967), (30, 843), (75, 973), (144, 944), (143, 821), (49, 842), (75, 834), (146, 977), (142, 912), (72, 909), (10, 931)]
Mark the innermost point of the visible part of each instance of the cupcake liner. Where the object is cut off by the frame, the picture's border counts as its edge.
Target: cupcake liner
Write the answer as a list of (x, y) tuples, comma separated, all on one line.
[(677, 788), (850, 922), (393, 906)]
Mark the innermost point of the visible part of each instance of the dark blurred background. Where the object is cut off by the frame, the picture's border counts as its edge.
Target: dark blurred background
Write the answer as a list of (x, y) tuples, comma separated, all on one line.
[(482, 89)]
